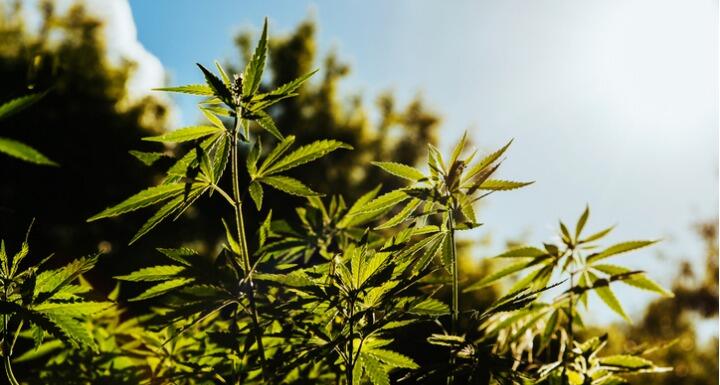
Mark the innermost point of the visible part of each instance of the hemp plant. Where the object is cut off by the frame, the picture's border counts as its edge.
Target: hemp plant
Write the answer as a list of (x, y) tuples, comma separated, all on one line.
[(200, 171)]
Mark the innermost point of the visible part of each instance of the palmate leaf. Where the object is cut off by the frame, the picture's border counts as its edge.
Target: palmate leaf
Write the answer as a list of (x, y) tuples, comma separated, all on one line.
[(304, 155), (401, 170), (73, 329), (24, 152), (252, 76), (142, 199), (192, 89), (189, 161), (381, 203), (618, 249), (154, 273), (402, 215), (50, 282), (185, 134)]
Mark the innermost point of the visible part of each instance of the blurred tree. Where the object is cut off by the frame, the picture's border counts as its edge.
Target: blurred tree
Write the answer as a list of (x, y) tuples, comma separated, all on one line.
[(86, 123)]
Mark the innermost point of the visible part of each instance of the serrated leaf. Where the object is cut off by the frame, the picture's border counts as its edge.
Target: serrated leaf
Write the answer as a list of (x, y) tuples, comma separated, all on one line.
[(381, 203), (286, 90), (266, 122), (294, 279), (142, 199), (256, 193), (498, 275), (392, 358), (402, 215), (637, 280), (375, 370), (485, 162), (163, 288), (401, 170), (598, 235), (24, 152), (173, 206), (217, 86), (502, 185), (147, 158), (618, 249), (431, 307), (626, 362), (192, 89), (185, 134), (73, 329), (179, 255), (73, 309), (305, 154), (523, 252), (459, 147), (289, 185), (276, 153), (154, 273), (252, 75), (607, 296)]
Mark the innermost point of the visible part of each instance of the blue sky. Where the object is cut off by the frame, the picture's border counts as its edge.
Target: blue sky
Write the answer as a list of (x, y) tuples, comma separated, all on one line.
[(611, 103)]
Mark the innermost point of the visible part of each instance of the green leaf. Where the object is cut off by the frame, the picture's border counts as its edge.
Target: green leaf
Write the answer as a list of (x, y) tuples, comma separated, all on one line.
[(185, 134), (173, 206), (296, 278), (498, 275), (266, 122), (523, 252), (289, 185), (606, 294), (192, 89), (375, 370), (163, 288), (142, 199), (458, 149), (276, 153), (598, 235), (148, 158), (431, 307), (502, 185), (402, 215), (305, 154), (179, 255), (154, 273), (401, 170), (286, 90), (382, 203), (252, 158), (256, 193), (391, 358), (75, 330), (626, 362), (50, 282), (222, 73), (581, 222), (637, 280), (16, 105), (24, 152), (73, 309), (485, 162), (618, 249), (254, 69), (218, 87)]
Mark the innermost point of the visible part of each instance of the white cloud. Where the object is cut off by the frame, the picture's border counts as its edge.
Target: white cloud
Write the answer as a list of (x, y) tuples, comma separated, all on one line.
[(121, 40)]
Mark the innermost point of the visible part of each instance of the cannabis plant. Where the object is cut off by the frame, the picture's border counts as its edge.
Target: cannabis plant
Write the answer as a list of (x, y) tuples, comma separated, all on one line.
[(325, 297)]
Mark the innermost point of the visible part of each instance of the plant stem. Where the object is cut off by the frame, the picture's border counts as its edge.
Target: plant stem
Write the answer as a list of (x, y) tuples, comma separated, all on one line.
[(350, 364), (9, 372), (240, 225), (571, 337), (455, 308)]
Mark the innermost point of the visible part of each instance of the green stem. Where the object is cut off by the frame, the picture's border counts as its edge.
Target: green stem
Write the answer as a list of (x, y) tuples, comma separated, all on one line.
[(9, 372), (455, 306), (240, 225), (350, 363), (571, 337)]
